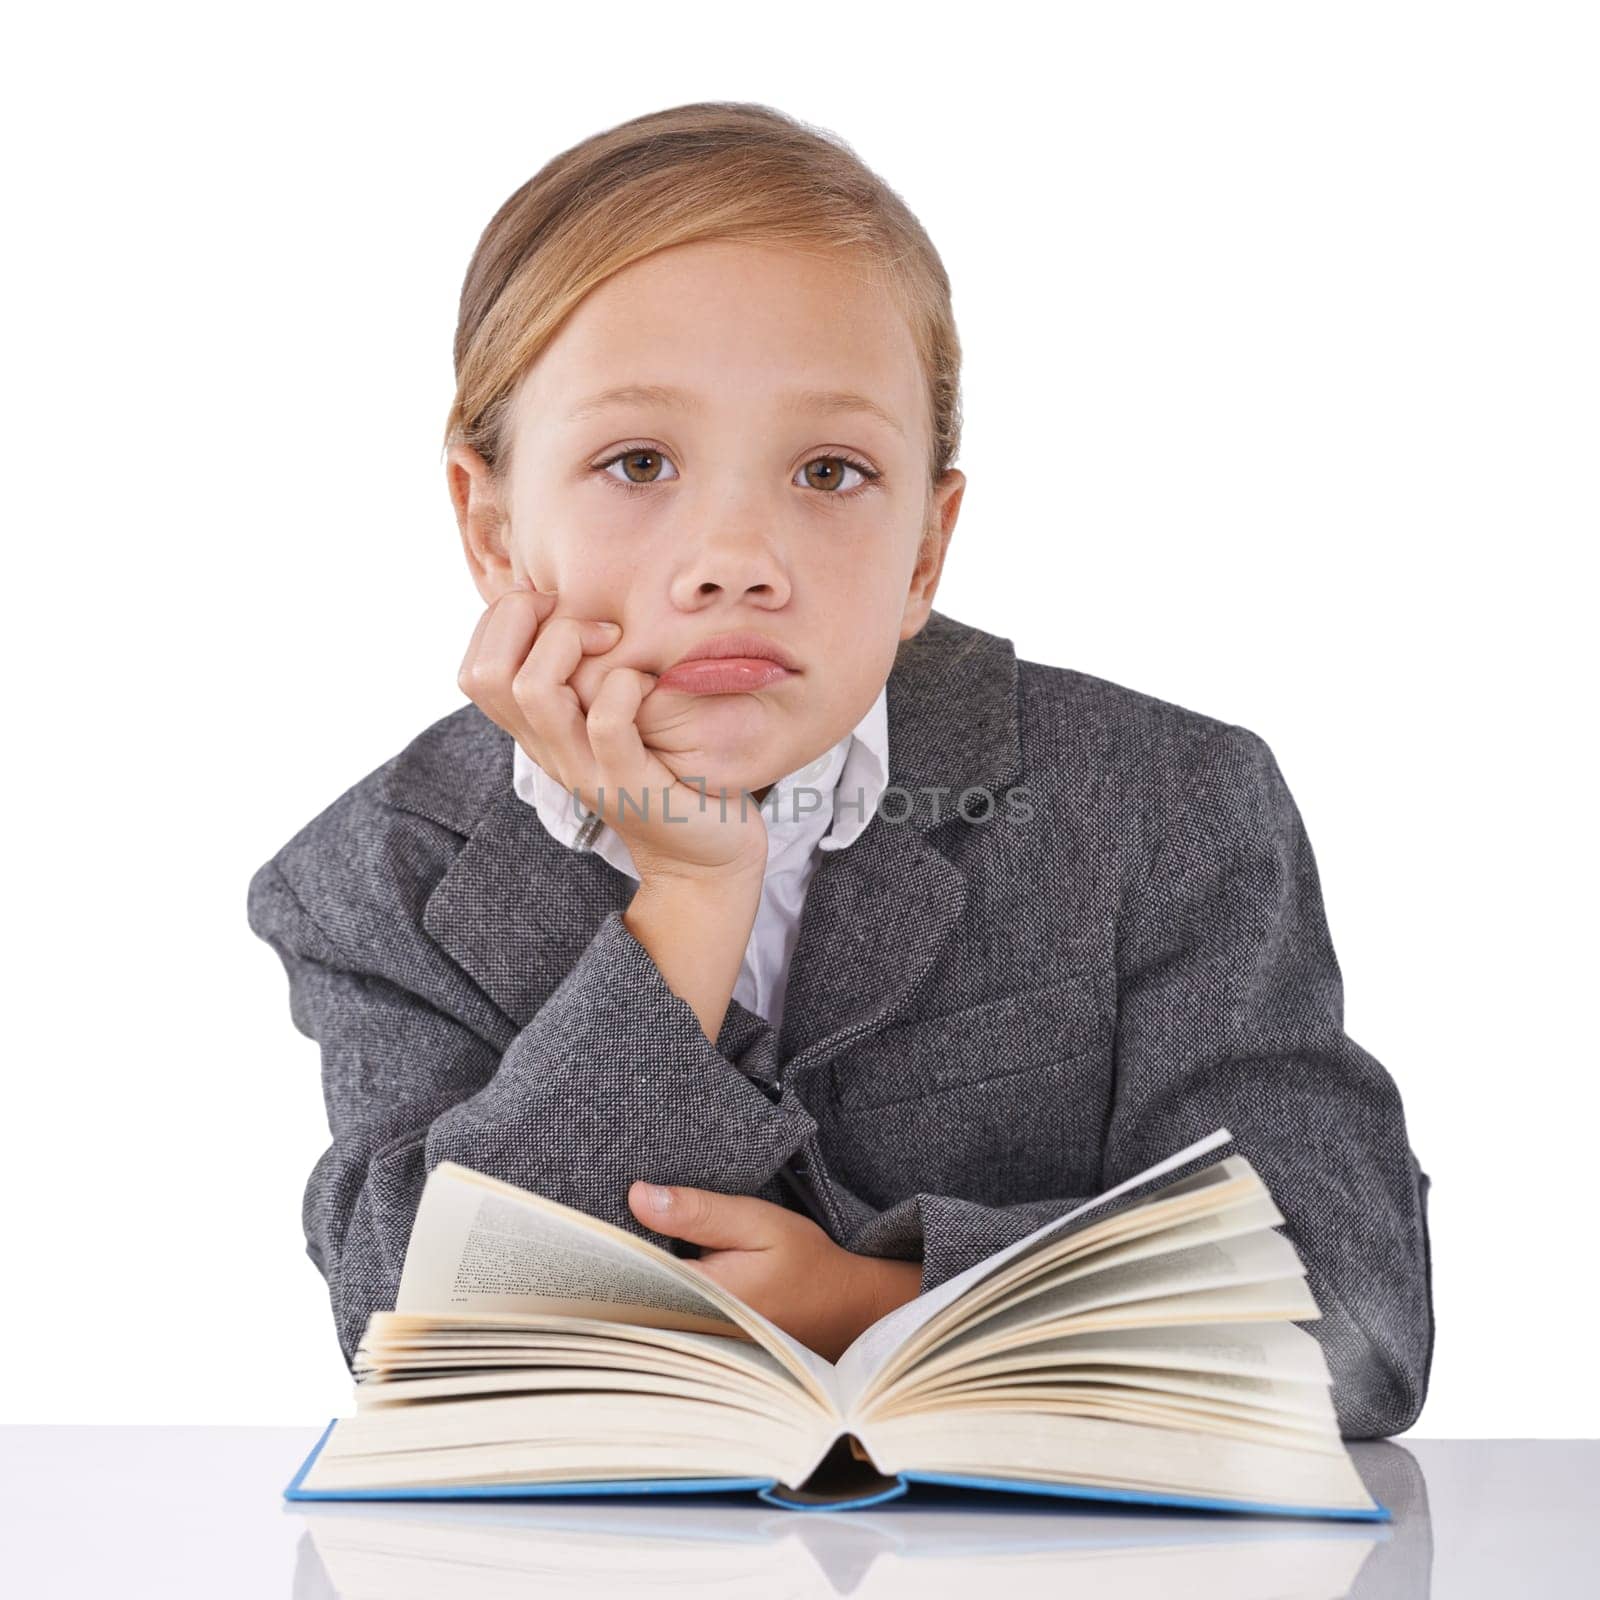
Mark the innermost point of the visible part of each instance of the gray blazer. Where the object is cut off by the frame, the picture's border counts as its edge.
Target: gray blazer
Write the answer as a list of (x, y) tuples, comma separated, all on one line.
[(988, 1021)]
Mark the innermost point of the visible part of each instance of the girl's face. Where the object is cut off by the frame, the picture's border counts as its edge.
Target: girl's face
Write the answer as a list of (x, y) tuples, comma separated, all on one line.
[(765, 471)]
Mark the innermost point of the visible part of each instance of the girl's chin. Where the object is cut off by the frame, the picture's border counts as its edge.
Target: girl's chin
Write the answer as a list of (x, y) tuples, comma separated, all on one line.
[(730, 734), (734, 719)]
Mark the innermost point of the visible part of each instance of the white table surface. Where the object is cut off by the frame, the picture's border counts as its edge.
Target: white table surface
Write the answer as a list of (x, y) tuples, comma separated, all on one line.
[(199, 1511)]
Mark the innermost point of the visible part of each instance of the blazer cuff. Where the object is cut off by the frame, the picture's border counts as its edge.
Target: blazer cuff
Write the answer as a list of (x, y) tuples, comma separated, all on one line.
[(614, 1080)]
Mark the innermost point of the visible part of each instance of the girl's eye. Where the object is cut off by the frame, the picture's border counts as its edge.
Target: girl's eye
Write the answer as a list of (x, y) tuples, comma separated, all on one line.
[(648, 464)]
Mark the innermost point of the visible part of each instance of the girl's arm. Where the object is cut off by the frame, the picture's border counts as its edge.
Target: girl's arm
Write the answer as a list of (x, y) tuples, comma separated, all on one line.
[(614, 1079), (695, 929), (1230, 1013)]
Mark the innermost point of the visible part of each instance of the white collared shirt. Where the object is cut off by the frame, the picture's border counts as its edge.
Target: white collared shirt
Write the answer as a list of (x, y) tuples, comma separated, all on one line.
[(842, 786)]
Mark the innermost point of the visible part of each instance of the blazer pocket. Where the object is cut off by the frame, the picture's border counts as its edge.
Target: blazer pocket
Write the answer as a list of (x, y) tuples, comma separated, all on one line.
[(1013, 1033)]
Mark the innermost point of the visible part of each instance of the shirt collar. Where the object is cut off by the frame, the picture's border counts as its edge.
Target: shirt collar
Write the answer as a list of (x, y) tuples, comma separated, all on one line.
[(838, 794)]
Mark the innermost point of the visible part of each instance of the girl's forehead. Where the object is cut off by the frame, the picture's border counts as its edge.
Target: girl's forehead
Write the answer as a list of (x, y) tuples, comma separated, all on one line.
[(884, 418), (795, 400), (715, 334), (680, 307)]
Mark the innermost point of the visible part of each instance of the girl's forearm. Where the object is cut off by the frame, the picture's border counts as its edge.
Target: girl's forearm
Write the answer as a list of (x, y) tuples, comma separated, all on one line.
[(893, 1283), (874, 1286), (696, 931)]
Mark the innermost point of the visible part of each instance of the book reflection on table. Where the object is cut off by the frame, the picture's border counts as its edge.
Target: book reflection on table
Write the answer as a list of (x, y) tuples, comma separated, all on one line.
[(949, 1543)]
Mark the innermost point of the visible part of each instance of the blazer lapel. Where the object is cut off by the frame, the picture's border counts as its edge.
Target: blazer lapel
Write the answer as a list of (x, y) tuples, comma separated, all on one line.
[(878, 914), (517, 907)]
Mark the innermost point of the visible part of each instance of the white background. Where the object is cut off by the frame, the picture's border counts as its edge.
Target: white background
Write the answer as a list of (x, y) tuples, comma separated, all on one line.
[(1281, 403)]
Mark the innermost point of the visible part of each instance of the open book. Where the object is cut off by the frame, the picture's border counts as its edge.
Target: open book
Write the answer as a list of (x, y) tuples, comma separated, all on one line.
[(1140, 1348)]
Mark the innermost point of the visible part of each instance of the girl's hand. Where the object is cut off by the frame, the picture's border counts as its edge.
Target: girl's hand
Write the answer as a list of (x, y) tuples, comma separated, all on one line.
[(781, 1264), (518, 669)]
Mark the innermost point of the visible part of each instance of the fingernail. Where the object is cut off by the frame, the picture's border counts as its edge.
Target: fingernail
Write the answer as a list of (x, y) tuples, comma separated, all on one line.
[(656, 1197), (612, 627)]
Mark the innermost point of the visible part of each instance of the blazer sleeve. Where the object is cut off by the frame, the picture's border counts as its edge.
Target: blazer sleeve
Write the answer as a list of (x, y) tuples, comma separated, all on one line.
[(612, 1080), (1230, 1013)]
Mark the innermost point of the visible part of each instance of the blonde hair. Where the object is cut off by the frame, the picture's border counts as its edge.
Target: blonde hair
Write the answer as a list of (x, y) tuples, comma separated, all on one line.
[(715, 169)]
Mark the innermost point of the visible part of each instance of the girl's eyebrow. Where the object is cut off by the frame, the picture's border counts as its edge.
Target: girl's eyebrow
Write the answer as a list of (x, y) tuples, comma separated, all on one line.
[(824, 400)]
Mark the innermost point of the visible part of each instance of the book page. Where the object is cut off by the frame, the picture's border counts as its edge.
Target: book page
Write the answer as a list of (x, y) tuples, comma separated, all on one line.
[(560, 1438), (407, 1355), (473, 1249), (1252, 1258), (873, 1348), (482, 1245), (1160, 1222), (1021, 1374), (1250, 1349), (1045, 1447)]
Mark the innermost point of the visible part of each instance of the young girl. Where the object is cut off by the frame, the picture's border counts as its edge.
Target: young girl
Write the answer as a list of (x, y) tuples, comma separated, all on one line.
[(752, 904)]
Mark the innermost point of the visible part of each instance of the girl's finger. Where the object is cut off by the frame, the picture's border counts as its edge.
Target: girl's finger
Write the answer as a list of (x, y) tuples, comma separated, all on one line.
[(506, 633), (544, 600), (470, 653), (549, 704), (543, 604), (613, 731)]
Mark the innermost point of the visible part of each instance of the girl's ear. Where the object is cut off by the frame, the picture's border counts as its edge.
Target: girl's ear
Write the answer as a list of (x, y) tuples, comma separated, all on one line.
[(483, 521), (944, 506)]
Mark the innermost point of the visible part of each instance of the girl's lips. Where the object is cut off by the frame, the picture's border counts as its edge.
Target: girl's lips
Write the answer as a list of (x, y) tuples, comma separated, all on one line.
[(723, 675)]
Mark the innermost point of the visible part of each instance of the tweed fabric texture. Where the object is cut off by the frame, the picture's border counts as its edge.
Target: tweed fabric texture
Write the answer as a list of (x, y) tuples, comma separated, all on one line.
[(1084, 929)]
